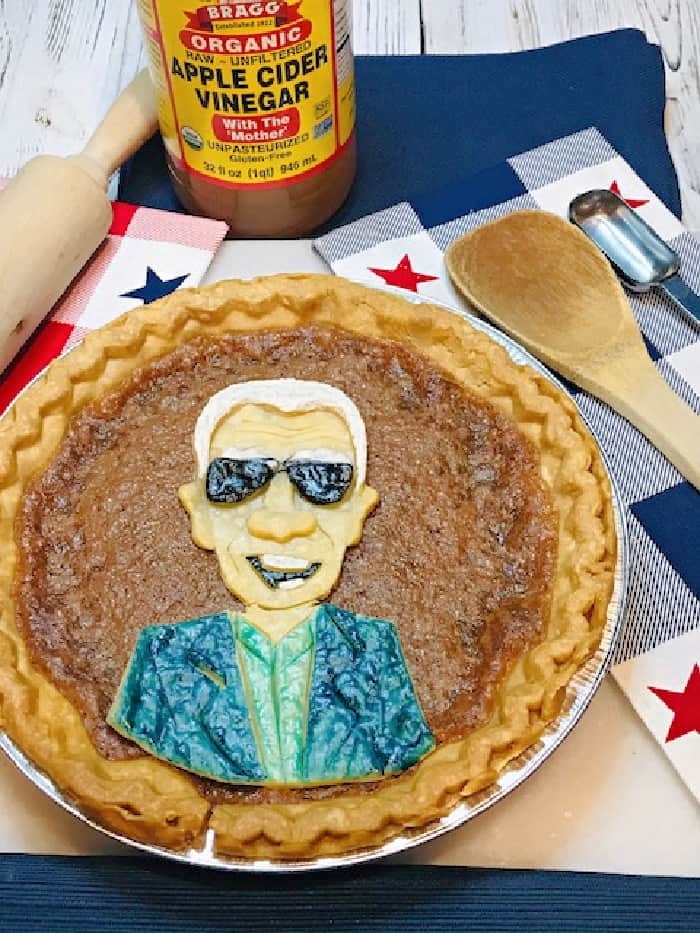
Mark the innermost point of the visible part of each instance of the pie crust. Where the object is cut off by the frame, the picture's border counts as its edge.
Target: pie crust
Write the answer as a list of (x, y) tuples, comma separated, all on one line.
[(149, 801)]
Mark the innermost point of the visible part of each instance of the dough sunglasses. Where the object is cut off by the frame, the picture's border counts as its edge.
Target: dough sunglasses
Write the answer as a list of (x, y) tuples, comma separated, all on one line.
[(317, 481)]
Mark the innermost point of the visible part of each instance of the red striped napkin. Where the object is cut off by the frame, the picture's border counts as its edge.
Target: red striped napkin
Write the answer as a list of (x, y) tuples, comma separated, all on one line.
[(146, 255)]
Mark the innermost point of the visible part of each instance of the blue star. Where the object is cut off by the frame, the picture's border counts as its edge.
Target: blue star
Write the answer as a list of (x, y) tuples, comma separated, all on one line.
[(155, 287)]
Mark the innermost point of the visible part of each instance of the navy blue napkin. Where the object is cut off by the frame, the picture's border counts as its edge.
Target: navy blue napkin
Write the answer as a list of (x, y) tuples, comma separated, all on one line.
[(428, 121), (123, 895)]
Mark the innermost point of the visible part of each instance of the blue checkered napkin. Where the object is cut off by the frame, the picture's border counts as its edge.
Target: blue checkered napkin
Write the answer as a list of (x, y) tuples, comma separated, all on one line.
[(403, 246)]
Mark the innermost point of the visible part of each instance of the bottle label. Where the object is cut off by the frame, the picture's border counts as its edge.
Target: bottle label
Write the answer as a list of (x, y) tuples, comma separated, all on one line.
[(252, 94)]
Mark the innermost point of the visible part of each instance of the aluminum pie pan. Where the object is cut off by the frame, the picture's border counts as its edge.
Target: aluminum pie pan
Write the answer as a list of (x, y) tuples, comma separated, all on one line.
[(579, 693)]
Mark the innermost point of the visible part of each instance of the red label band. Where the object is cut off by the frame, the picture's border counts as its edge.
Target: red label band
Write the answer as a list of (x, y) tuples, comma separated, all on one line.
[(220, 44)]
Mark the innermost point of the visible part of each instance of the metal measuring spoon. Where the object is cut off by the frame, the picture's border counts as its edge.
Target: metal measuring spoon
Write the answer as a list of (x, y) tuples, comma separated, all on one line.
[(638, 254)]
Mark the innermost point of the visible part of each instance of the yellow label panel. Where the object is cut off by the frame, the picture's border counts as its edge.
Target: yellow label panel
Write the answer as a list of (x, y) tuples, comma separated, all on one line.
[(252, 94)]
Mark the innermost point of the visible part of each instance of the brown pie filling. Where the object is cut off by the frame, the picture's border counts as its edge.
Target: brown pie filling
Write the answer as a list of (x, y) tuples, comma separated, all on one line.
[(459, 554)]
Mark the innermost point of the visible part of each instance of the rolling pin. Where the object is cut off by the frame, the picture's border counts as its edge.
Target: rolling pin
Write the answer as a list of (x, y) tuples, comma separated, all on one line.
[(55, 213)]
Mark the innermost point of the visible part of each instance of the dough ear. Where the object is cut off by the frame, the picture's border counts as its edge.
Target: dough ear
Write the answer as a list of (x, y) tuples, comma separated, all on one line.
[(365, 500), (193, 498)]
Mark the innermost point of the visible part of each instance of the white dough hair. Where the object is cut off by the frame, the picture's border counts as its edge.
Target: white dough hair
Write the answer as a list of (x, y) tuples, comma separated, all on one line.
[(288, 395)]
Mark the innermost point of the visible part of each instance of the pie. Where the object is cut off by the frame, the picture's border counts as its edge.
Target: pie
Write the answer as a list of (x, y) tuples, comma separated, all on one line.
[(492, 551)]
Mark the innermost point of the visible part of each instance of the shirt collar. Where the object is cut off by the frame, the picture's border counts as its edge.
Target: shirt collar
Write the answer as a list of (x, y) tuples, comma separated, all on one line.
[(287, 650)]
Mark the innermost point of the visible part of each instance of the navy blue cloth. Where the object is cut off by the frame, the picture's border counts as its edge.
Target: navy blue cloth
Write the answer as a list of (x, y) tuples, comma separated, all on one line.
[(425, 122), (671, 518), (124, 895)]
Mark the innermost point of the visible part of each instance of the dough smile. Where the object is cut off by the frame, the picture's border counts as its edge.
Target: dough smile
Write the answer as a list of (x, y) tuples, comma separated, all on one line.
[(278, 578)]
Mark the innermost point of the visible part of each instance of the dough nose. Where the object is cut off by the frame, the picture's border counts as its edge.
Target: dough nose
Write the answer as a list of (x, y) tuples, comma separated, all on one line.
[(279, 518), (281, 526)]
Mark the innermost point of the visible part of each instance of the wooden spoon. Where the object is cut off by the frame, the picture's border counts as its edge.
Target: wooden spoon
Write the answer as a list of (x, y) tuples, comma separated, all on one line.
[(543, 282)]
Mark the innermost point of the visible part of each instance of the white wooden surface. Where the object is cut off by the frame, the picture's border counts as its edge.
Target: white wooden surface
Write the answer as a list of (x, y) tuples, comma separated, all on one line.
[(61, 64), (62, 61)]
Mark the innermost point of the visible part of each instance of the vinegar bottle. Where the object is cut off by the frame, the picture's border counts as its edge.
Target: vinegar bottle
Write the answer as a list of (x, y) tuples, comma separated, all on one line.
[(256, 103)]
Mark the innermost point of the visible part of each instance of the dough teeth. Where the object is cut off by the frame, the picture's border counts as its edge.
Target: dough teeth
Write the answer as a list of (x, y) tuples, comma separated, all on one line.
[(284, 562)]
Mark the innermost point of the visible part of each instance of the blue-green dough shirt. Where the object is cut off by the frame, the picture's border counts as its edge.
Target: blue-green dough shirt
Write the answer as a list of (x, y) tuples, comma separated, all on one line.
[(331, 701)]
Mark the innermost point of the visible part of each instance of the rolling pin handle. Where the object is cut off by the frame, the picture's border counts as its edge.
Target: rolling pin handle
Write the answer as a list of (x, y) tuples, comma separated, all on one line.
[(129, 122)]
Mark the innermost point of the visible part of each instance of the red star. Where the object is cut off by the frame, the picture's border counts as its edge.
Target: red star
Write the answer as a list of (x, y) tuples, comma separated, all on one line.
[(685, 705), (631, 202), (403, 275)]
